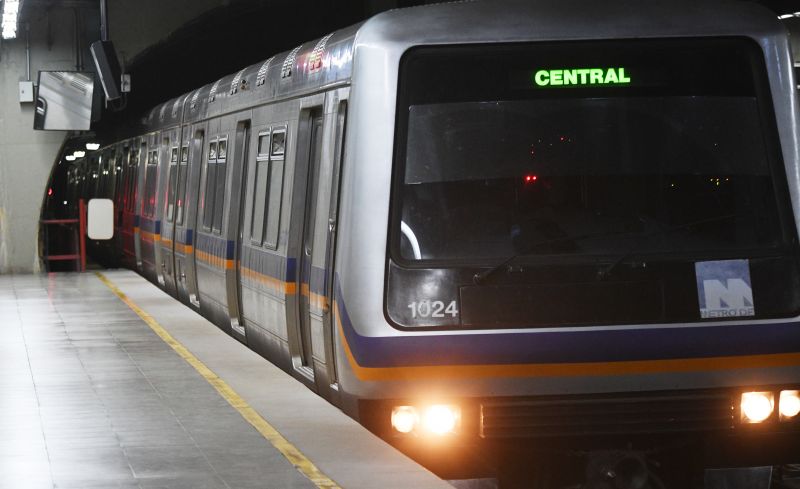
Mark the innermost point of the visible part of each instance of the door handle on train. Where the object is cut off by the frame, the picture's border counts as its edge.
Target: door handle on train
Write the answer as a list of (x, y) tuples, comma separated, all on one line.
[(331, 225), (308, 250)]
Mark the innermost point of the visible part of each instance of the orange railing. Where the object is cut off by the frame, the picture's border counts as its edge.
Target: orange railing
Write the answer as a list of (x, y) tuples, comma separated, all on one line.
[(80, 256)]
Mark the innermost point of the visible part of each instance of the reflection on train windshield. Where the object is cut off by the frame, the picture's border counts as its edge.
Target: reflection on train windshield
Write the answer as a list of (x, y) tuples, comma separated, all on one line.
[(496, 178), (586, 172)]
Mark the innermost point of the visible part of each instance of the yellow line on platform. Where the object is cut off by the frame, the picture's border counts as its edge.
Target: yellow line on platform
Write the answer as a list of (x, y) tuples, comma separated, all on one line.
[(295, 456)]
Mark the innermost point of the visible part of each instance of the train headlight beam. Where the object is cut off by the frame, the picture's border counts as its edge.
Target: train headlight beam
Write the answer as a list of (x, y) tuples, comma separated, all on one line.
[(757, 406), (789, 405), (405, 419), (441, 419)]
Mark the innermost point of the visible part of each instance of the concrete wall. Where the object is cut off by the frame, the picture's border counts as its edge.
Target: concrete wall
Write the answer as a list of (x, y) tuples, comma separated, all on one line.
[(27, 156)]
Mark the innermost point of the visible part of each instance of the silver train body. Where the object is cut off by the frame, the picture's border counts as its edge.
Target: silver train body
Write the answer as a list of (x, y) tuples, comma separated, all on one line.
[(284, 236)]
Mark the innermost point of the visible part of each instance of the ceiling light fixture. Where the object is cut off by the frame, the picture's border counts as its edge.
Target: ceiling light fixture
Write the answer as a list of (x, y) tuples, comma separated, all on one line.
[(10, 17)]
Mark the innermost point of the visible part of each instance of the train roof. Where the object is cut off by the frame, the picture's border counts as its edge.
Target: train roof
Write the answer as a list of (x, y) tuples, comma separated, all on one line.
[(559, 20), (328, 61), (314, 65)]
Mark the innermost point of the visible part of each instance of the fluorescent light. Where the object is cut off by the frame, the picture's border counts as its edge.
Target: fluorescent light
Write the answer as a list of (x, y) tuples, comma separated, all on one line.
[(785, 16), (69, 158), (79, 154), (10, 14), (9, 31), (92, 146)]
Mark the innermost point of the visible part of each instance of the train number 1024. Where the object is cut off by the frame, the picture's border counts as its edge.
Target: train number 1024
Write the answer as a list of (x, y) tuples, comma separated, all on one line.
[(433, 309)]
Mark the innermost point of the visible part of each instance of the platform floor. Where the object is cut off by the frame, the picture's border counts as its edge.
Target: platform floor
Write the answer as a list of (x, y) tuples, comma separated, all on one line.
[(92, 397)]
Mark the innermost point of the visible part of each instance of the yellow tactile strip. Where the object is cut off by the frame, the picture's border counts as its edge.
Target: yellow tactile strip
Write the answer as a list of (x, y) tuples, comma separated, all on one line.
[(295, 456)]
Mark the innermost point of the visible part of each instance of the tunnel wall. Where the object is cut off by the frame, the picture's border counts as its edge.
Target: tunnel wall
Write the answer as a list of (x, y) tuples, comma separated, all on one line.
[(27, 156)]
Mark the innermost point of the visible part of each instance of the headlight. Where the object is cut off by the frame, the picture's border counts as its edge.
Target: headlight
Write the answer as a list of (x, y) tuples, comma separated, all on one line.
[(789, 405), (441, 419), (404, 419), (757, 406)]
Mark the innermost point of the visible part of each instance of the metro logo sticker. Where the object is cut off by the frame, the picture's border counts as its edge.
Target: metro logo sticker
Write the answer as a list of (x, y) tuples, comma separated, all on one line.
[(724, 289)]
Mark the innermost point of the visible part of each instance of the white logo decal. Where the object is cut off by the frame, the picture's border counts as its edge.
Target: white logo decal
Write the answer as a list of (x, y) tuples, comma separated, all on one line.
[(724, 289)]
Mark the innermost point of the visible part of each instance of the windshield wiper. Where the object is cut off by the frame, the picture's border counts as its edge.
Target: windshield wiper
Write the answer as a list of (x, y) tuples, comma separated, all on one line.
[(606, 272), (480, 277)]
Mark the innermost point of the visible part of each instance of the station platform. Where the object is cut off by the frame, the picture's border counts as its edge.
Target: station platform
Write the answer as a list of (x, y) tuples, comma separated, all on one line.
[(107, 382)]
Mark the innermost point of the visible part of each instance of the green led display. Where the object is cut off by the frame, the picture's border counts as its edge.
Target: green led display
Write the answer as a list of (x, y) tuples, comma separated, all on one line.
[(579, 77)]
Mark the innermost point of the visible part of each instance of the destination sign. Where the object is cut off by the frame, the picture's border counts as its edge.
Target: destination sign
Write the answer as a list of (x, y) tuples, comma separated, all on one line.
[(581, 77)]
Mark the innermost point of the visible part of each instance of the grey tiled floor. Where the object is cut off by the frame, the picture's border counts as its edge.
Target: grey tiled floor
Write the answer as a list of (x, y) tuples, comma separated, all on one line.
[(90, 397)]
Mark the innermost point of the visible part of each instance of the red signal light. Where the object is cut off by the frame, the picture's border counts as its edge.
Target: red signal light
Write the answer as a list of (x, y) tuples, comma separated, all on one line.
[(531, 178), (50, 191)]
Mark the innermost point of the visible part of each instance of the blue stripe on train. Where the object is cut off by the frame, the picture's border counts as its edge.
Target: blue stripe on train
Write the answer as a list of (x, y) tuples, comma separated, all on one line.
[(582, 346)]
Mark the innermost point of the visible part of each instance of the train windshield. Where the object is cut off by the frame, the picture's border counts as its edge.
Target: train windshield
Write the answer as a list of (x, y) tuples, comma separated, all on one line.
[(586, 149)]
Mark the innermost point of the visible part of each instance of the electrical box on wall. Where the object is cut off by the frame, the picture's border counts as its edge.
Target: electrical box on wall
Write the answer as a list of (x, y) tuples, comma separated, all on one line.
[(25, 91)]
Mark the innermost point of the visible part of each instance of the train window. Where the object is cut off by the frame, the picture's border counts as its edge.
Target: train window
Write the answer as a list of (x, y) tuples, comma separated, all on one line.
[(219, 194), (211, 178), (274, 189), (151, 174), (259, 200), (129, 188), (138, 182), (173, 170), (222, 149), (117, 191), (278, 142), (182, 170), (263, 143)]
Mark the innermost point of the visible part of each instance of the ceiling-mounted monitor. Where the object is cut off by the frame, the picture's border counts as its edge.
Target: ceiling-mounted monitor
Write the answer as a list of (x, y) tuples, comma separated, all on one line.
[(107, 64)]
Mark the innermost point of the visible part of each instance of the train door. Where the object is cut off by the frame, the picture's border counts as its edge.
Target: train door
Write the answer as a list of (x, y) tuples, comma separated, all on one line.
[(128, 205), (138, 201), (192, 210), (184, 276), (149, 222), (236, 224), (338, 103), (123, 180), (311, 138), (163, 161), (315, 200), (262, 268), (167, 241)]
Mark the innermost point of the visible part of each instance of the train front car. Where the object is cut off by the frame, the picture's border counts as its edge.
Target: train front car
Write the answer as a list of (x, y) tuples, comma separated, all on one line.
[(573, 223)]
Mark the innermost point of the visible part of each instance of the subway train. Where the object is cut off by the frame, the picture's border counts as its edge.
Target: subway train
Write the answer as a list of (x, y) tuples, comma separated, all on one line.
[(503, 227)]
